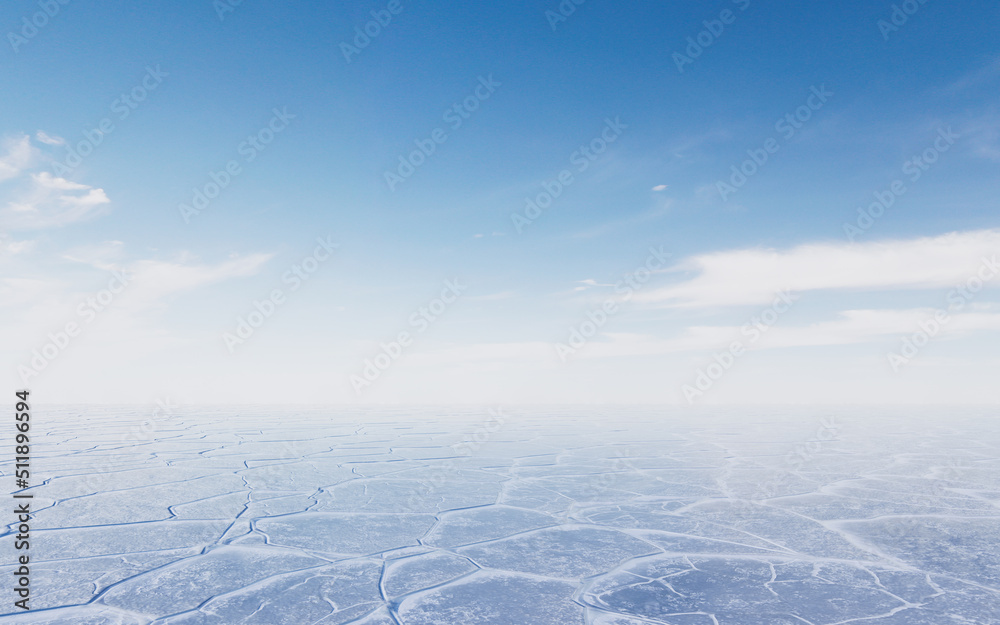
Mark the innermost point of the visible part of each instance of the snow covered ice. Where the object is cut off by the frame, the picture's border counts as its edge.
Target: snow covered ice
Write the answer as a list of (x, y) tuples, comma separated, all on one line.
[(548, 517)]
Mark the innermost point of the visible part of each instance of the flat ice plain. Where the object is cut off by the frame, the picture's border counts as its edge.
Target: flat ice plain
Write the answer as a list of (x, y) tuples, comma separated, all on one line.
[(539, 517)]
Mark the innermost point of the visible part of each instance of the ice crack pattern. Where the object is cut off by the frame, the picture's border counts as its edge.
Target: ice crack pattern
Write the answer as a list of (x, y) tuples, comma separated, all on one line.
[(562, 516)]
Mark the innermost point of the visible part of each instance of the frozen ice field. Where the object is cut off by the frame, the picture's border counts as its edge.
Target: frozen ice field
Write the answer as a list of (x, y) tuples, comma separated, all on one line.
[(541, 517)]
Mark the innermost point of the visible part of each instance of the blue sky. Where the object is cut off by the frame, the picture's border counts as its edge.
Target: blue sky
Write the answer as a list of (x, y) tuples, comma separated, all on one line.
[(217, 81)]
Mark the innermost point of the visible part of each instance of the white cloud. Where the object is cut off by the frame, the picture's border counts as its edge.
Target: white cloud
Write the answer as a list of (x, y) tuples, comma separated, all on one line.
[(851, 327), (18, 247), (48, 139), (52, 202), (40, 200), (133, 327), (658, 212), (975, 78), (10, 247), (541, 354), (492, 297), (984, 136), (149, 281), (17, 154), (102, 255), (861, 326), (152, 280), (17, 292), (130, 339), (753, 276)]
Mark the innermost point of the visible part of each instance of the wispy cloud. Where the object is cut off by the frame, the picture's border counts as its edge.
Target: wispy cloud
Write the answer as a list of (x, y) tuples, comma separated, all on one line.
[(37, 199), (646, 216), (850, 327), (48, 139), (50, 202), (977, 77), (17, 292), (104, 255), (493, 297), (10, 247), (153, 280), (753, 276), (132, 325), (984, 136), (15, 155)]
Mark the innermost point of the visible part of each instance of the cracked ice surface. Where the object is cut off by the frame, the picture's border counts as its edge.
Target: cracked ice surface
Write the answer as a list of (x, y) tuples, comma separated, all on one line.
[(554, 517)]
